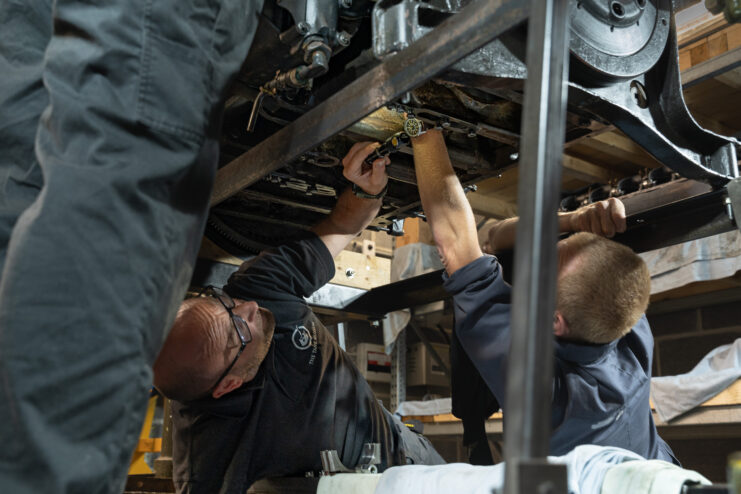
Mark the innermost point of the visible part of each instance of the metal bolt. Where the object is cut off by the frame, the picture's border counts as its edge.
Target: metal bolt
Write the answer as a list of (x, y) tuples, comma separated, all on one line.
[(302, 28), (639, 94), (514, 156), (350, 272), (471, 133), (343, 38)]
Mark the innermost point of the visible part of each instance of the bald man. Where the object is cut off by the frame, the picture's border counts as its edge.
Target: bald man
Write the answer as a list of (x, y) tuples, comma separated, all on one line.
[(260, 386)]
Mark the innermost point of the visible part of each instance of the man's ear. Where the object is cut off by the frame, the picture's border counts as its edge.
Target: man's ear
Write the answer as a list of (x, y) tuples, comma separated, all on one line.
[(560, 327), (227, 385)]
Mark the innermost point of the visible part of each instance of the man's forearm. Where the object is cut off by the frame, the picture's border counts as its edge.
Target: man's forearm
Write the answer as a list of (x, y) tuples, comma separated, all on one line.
[(444, 202), (502, 235), (349, 217), (602, 218)]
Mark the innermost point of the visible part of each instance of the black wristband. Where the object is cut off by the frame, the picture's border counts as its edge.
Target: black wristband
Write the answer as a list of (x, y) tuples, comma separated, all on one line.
[(364, 195)]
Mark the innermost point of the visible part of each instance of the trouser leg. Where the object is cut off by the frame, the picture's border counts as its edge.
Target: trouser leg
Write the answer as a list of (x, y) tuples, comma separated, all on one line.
[(25, 29), (98, 263), (417, 449)]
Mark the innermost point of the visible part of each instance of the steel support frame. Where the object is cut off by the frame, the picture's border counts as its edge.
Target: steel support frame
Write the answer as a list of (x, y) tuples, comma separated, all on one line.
[(476, 25), (530, 367), (398, 392)]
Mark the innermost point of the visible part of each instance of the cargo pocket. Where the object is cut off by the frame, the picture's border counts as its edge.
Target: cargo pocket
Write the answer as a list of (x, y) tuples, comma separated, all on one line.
[(174, 89)]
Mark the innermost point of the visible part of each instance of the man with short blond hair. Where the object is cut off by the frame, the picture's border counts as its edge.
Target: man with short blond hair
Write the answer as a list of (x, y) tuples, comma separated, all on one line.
[(603, 344), (603, 288)]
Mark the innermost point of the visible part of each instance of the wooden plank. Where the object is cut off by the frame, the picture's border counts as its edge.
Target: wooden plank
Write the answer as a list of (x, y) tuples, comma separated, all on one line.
[(717, 44), (585, 171), (699, 53), (712, 68), (411, 232), (733, 36), (622, 148), (213, 252), (729, 396), (361, 271), (703, 28), (732, 78), (685, 60), (490, 206)]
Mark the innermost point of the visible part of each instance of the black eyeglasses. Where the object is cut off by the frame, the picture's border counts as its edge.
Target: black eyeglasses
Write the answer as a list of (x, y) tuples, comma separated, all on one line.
[(240, 325)]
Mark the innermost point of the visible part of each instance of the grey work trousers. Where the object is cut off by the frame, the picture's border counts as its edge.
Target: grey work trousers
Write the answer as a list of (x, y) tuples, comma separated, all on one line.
[(109, 119)]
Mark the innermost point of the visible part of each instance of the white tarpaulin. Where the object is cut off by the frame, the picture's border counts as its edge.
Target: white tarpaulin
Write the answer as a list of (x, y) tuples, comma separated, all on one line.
[(709, 258)]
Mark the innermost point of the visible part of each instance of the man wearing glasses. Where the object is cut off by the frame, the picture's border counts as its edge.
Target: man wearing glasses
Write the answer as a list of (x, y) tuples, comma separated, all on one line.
[(260, 386)]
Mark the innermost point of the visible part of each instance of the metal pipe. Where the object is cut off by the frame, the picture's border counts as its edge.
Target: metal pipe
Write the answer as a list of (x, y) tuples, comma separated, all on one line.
[(530, 368), (477, 24)]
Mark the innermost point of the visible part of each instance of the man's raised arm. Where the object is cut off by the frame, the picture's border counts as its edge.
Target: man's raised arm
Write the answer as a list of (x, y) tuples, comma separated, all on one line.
[(605, 218), (448, 213), (353, 213)]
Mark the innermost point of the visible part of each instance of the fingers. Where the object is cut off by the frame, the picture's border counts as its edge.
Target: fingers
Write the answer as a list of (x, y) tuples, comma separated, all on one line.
[(378, 173), (353, 161), (604, 218), (617, 212), (607, 228)]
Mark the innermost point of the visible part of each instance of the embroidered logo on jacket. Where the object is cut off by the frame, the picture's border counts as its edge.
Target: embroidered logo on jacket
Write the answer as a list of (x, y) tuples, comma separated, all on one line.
[(301, 338)]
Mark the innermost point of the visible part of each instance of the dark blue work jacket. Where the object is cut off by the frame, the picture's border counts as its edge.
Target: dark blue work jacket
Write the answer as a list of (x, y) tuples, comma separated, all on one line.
[(600, 392)]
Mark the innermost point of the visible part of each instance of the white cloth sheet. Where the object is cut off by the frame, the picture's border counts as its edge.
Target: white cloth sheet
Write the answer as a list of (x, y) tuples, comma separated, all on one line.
[(348, 483), (675, 395), (709, 258), (408, 261), (428, 407), (649, 477), (587, 466)]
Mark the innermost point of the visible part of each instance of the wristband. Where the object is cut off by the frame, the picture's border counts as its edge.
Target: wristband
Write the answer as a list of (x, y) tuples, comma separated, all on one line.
[(364, 195)]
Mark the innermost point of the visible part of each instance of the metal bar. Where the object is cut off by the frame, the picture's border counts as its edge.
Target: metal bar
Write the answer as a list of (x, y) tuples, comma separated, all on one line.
[(476, 25), (529, 370), (402, 294), (693, 218), (426, 342), (341, 335), (398, 369)]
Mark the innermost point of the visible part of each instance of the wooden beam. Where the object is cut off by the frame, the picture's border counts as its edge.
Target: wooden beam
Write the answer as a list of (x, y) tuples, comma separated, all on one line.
[(622, 148), (712, 68), (491, 206), (577, 168), (732, 78)]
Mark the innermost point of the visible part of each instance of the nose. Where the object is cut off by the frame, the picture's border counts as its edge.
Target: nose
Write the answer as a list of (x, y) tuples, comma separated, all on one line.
[(248, 311)]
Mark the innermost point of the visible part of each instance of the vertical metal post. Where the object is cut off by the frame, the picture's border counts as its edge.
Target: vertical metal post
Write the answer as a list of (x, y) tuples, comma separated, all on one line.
[(399, 370), (163, 464), (341, 335), (529, 371)]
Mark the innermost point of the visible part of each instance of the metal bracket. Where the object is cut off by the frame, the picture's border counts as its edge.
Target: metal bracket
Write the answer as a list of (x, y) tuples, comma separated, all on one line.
[(733, 189), (369, 458)]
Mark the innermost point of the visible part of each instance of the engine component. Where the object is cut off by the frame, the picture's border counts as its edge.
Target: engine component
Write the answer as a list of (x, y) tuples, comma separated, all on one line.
[(618, 39)]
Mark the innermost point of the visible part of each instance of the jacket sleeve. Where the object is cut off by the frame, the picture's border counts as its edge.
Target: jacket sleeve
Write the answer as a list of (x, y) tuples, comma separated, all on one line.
[(481, 301), (295, 269)]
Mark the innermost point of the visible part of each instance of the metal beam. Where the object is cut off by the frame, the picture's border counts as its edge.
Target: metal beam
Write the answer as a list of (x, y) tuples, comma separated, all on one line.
[(530, 365), (476, 25)]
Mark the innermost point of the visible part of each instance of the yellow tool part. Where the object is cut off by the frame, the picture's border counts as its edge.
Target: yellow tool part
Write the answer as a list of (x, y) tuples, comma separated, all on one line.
[(146, 444)]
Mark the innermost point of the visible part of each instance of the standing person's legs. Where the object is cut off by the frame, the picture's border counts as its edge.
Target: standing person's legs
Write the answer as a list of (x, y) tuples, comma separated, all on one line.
[(98, 264), (25, 30)]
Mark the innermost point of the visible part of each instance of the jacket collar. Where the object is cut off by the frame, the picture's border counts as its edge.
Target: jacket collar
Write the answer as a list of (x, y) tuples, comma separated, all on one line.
[(582, 353)]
